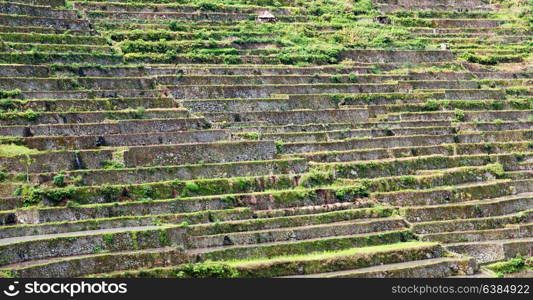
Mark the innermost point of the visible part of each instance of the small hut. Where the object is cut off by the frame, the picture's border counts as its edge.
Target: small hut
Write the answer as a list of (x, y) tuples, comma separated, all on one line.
[(265, 17)]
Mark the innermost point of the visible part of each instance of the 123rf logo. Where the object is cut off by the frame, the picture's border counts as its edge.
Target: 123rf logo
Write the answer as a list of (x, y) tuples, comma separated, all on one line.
[(64, 288)]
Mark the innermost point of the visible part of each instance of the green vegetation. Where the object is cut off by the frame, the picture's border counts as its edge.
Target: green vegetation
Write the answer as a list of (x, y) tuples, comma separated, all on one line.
[(514, 265), (111, 164), (359, 190), (59, 180), (279, 147), (3, 175), (12, 150), (250, 135), (295, 43), (459, 115), (206, 270), (497, 169), (491, 59), (331, 254), (320, 141), (316, 178), (29, 115), (9, 93)]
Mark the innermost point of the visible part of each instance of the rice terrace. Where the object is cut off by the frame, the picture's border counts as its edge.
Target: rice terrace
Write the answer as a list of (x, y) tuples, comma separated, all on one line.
[(266, 138)]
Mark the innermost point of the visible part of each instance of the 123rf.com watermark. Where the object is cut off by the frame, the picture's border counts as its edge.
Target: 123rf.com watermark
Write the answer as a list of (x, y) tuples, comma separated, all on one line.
[(70, 289)]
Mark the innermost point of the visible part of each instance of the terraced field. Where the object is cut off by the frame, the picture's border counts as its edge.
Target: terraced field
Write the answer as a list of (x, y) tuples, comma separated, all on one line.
[(344, 138)]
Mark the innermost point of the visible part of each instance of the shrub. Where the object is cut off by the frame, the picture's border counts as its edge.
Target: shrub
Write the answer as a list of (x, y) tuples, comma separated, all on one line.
[(506, 267), (232, 59), (3, 175), (176, 26), (491, 59), (9, 93), (192, 186), (59, 180), (207, 270), (139, 113), (358, 190), (412, 22), (54, 195), (497, 169), (111, 164), (431, 105), (521, 104), (316, 178), (72, 204), (407, 180), (459, 115), (209, 6), (336, 78), (279, 147), (250, 135), (7, 104)]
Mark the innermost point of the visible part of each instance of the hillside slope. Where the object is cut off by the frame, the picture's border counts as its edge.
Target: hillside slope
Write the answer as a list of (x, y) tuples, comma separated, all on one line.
[(262, 138)]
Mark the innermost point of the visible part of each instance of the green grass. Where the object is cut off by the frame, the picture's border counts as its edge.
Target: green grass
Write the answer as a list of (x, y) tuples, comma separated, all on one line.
[(330, 254), (329, 27), (12, 150), (299, 43), (514, 265), (9, 93)]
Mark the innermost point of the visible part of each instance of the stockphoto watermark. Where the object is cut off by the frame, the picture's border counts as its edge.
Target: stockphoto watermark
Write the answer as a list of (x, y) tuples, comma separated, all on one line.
[(71, 289)]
